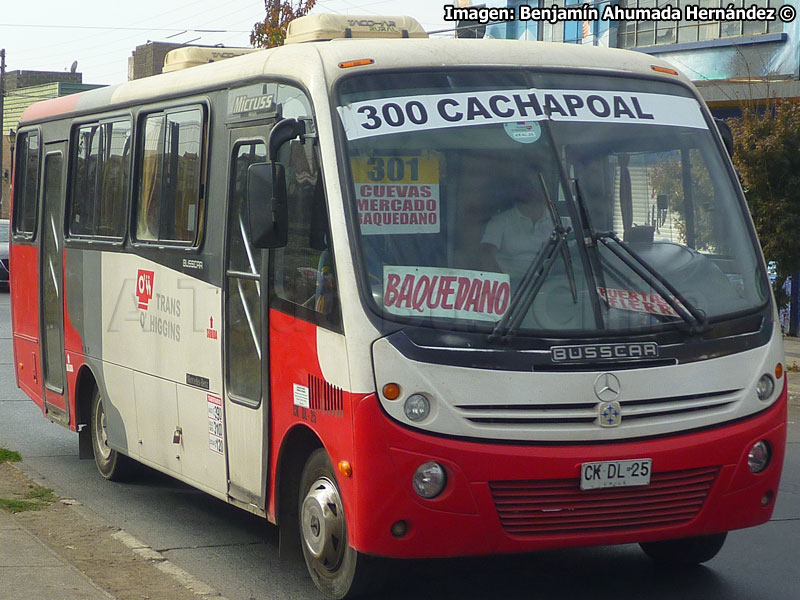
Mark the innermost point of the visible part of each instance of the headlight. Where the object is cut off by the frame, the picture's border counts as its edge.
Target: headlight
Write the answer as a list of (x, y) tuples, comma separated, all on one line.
[(429, 480), (758, 458), (765, 387), (417, 407)]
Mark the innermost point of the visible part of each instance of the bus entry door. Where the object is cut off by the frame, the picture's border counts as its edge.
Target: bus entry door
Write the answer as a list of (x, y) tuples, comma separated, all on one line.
[(51, 273), (246, 352)]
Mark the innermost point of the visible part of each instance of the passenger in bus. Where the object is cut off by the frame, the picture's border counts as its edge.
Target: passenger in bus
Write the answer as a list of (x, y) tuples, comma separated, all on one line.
[(513, 237)]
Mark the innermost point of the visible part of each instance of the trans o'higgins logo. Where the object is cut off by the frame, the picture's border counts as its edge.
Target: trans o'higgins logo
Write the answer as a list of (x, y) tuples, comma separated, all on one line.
[(589, 352), (144, 288)]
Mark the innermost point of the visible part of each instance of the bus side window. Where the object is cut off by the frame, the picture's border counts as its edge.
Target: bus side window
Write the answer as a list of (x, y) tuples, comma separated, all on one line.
[(27, 188), (304, 273), (99, 186), (169, 194)]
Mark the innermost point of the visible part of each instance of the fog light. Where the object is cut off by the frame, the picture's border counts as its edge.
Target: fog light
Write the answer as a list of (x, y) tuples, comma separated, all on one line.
[(400, 529), (765, 387), (429, 480), (766, 499), (417, 407), (758, 458)]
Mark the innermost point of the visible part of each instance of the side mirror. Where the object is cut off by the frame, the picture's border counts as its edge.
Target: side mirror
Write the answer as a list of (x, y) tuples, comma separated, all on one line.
[(266, 189), (268, 213), (726, 134)]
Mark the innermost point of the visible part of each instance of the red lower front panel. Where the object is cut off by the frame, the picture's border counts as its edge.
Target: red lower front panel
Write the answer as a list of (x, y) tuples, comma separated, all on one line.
[(513, 498)]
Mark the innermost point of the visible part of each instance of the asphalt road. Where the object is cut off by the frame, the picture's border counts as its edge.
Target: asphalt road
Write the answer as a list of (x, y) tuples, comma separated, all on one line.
[(237, 554)]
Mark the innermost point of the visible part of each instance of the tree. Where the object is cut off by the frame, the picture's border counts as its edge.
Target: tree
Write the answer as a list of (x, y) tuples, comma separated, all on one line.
[(666, 177), (767, 156), (271, 32)]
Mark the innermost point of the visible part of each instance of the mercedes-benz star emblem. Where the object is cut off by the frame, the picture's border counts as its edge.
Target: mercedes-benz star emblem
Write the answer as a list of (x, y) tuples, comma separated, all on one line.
[(606, 387)]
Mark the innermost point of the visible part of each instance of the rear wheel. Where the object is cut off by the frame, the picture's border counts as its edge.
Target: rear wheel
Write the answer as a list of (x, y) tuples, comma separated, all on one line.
[(338, 570), (685, 551), (111, 464)]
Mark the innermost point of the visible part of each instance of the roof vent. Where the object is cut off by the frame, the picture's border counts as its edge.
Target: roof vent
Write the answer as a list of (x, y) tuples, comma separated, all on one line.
[(323, 27), (193, 56)]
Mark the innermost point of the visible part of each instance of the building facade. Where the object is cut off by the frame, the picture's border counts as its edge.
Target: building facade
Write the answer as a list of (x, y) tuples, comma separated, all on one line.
[(732, 62), (24, 88)]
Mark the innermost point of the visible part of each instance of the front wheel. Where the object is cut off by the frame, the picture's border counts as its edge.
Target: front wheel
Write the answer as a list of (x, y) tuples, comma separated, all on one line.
[(685, 551), (337, 569), (111, 464)]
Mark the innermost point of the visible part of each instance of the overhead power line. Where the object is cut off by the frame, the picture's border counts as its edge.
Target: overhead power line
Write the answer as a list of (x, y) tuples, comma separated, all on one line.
[(121, 28)]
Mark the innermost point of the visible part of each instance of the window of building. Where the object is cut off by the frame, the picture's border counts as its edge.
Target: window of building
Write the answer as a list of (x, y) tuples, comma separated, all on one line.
[(100, 175), (514, 30), (573, 30), (26, 193), (648, 33), (169, 180)]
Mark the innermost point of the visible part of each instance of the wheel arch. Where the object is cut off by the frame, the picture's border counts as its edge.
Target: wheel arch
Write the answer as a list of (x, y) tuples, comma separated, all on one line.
[(298, 444), (85, 385)]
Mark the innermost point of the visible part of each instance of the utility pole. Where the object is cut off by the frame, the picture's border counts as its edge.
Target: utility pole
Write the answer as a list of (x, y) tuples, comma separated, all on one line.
[(2, 100)]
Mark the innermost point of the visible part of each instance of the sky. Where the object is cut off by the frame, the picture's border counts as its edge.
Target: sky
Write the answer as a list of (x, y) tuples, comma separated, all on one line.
[(48, 35)]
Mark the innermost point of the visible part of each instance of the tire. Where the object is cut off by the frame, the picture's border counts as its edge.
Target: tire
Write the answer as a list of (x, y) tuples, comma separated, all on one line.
[(685, 551), (337, 569), (111, 464)]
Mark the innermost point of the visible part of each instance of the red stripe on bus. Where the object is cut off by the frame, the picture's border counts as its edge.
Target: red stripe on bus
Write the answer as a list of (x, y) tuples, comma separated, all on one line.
[(49, 108)]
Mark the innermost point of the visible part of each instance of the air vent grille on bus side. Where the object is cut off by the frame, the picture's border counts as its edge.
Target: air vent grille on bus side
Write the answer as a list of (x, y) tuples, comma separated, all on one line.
[(559, 507), (324, 397)]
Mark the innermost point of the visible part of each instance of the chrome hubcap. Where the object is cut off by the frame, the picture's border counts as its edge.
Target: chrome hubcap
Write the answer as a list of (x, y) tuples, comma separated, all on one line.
[(100, 433), (322, 524)]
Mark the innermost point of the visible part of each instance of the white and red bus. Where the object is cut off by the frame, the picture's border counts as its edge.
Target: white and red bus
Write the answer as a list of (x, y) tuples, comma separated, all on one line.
[(408, 297)]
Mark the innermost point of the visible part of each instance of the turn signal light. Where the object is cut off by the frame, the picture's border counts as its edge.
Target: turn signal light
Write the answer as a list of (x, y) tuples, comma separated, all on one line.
[(660, 69), (345, 468), (778, 371), (391, 391), (356, 63)]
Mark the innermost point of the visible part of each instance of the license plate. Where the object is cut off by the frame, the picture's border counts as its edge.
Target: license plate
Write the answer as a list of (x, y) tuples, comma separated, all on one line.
[(615, 473)]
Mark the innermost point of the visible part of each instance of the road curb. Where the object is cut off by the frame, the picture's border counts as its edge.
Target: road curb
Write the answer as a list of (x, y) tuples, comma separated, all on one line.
[(162, 563), (196, 586)]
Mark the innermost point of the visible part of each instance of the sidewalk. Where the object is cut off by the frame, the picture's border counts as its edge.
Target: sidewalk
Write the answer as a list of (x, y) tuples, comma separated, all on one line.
[(29, 570), (53, 550), (791, 346)]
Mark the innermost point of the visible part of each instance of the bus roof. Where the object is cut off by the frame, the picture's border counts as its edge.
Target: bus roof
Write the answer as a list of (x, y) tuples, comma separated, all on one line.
[(317, 63)]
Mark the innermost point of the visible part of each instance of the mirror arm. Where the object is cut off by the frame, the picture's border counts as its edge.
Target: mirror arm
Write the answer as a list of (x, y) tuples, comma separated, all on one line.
[(284, 130)]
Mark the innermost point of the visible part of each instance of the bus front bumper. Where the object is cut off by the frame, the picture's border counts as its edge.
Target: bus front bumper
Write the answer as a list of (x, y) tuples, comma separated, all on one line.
[(507, 498)]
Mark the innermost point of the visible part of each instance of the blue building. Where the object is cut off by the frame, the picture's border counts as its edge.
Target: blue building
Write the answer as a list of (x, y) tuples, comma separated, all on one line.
[(731, 62)]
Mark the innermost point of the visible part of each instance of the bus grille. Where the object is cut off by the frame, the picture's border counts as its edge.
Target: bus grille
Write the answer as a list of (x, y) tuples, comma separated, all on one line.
[(559, 507), (587, 414)]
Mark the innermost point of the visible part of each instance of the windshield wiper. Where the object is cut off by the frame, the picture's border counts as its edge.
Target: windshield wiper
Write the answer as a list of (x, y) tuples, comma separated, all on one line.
[(537, 272), (583, 229), (532, 282), (693, 316)]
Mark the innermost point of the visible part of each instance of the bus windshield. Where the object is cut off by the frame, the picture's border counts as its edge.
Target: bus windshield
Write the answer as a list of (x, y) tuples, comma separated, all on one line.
[(463, 183)]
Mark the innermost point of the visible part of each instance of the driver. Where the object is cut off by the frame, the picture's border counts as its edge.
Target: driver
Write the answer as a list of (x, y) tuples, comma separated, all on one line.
[(513, 238)]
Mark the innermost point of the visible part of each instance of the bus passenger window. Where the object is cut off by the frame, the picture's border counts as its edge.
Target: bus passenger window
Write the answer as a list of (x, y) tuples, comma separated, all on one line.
[(169, 177), (304, 271), (101, 166), (27, 188)]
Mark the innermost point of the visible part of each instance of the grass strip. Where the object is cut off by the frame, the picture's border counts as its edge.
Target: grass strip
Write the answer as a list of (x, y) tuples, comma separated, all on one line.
[(7, 455)]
